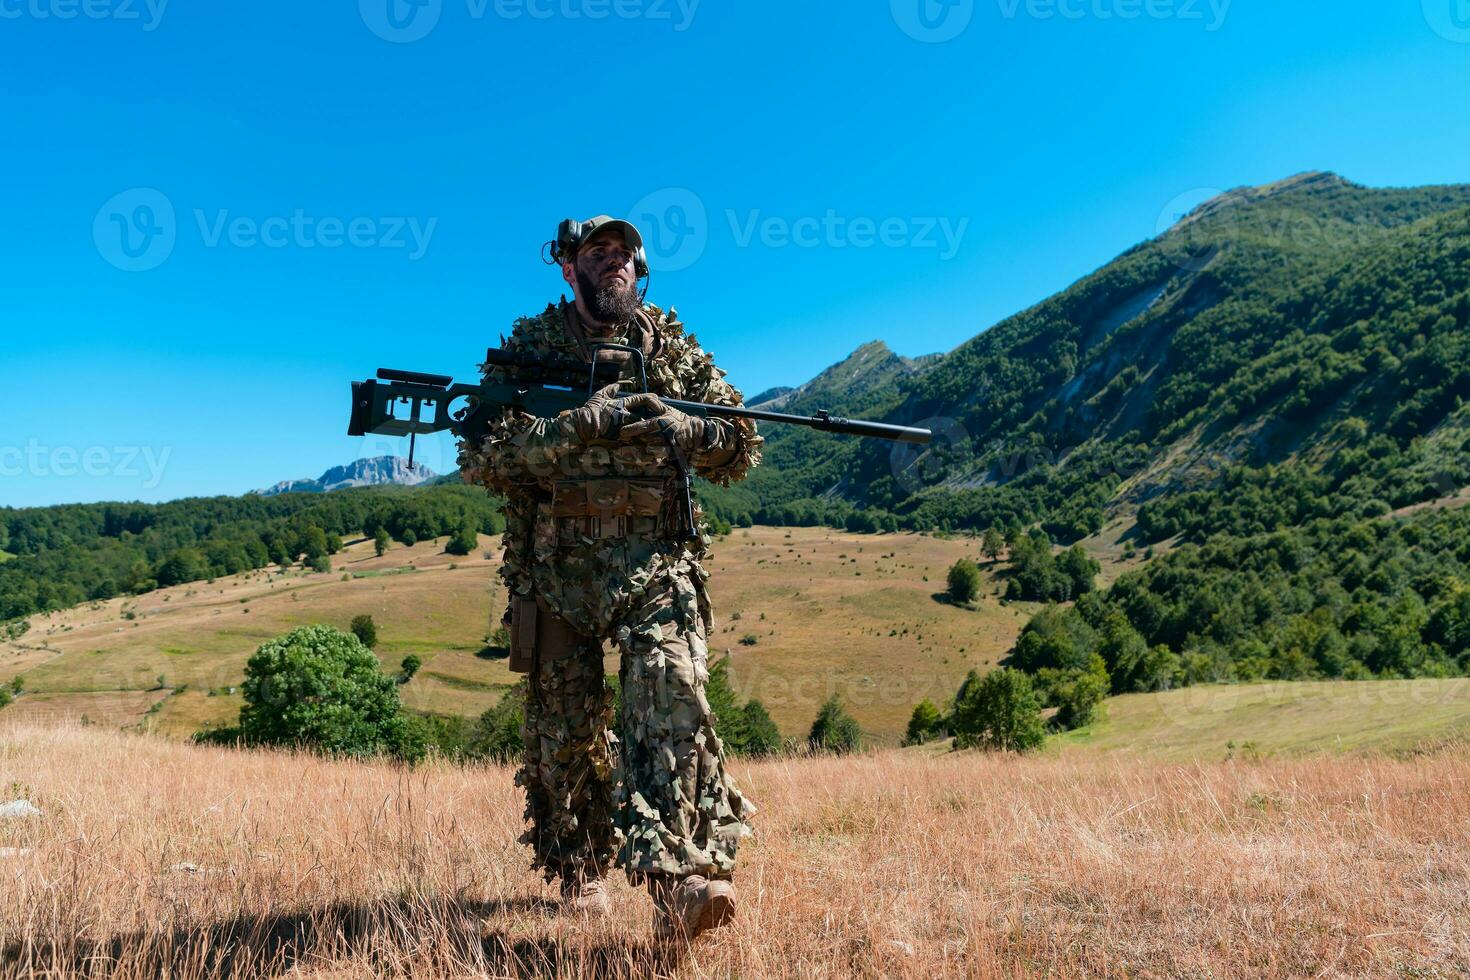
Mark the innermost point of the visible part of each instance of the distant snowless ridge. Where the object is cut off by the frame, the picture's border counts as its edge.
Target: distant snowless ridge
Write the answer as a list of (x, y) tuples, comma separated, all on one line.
[(375, 471)]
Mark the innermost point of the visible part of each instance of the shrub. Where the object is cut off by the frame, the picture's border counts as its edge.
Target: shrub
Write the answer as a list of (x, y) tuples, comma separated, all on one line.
[(1079, 694), (409, 538), (464, 541), (998, 711), (411, 665), (365, 630), (497, 734), (320, 688), (964, 581), (834, 730), (321, 563)]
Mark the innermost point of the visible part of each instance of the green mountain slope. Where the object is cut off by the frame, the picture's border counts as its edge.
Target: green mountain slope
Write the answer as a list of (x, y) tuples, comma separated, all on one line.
[(1295, 321)]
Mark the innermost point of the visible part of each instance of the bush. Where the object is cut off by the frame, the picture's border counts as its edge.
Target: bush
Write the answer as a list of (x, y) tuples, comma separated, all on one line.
[(321, 563), (320, 688), (464, 541), (1079, 694), (834, 730), (365, 630), (998, 711), (964, 581), (411, 665), (409, 538), (925, 723), (497, 735)]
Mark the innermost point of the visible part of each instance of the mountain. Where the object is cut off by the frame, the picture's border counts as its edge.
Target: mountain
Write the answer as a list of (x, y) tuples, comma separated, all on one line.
[(872, 367), (1280, 324), (373, 472), (765, 398)]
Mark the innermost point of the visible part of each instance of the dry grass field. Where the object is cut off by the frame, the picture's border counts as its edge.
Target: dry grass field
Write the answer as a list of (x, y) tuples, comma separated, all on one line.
[(829, 612), (152, 858)]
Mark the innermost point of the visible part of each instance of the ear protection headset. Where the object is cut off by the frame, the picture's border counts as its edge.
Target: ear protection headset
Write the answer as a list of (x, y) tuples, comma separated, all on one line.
[(570, 235)]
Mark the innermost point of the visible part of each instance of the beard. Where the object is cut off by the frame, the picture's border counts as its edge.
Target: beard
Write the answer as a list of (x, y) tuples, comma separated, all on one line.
[(614, 303)]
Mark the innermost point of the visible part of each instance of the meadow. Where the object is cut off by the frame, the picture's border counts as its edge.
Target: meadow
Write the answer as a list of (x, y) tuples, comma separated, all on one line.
[(804, 613), (155, 858)]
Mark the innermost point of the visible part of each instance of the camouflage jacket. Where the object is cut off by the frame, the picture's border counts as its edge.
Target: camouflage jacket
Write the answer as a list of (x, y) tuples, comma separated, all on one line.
[(528, 461)]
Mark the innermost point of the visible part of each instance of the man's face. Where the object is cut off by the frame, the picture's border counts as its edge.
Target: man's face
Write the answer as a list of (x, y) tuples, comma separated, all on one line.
[(603, 276)]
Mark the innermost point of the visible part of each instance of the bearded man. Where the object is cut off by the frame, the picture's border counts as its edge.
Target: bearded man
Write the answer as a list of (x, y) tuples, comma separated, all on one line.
[(599, 550)]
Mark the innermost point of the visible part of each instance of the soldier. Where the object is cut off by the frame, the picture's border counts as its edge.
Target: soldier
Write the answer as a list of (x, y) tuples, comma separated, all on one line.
[(597, 549)]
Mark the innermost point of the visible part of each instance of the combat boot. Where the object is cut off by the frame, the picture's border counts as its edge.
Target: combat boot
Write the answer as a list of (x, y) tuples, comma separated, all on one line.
[(587, 896), (685, 907)]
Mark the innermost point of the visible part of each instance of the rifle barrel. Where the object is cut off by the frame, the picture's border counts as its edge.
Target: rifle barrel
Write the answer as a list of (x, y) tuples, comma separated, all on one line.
[(823, 421)]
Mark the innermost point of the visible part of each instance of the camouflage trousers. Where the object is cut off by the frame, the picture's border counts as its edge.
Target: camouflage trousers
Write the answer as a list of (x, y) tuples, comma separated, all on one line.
[(654, 799)]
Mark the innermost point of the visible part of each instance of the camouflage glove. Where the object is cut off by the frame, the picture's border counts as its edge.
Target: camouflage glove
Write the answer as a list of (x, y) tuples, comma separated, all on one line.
[(687, 433), (600, 418)]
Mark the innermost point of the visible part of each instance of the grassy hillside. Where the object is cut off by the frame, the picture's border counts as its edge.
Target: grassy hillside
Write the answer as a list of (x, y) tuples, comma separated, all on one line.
[(1201, 723), (829, 612), (153, 858)]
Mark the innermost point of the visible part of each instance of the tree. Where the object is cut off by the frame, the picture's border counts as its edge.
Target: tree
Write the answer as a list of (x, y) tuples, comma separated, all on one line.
[(409, 537), (314, 543), (410, 666), (1056, 637), (1079, 694), (320, 688), (925, 723), (321, 563), (998, 711), (464, 541), (365, 630), (964, 581), (724, 703), (380, 542), (1080, 569), (834, 730), (184, 565), (763, 738), (993, 543)]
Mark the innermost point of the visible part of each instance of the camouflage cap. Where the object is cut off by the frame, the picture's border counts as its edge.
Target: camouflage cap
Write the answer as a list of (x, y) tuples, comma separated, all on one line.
[(596, 226)]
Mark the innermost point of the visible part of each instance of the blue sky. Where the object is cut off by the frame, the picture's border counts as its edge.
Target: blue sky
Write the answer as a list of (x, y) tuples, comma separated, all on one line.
[(219, 214)]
